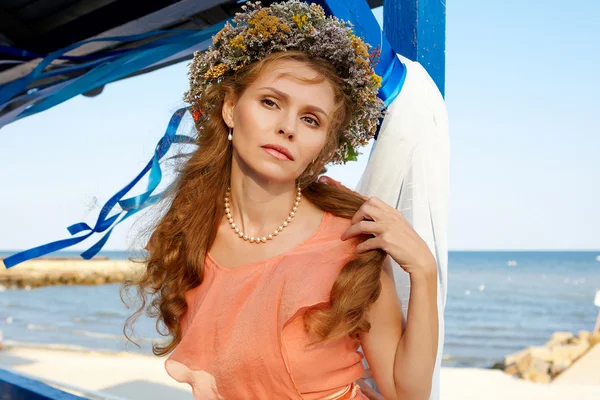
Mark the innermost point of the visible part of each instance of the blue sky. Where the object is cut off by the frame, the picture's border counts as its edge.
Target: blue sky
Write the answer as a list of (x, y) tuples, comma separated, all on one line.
[(521, 91)]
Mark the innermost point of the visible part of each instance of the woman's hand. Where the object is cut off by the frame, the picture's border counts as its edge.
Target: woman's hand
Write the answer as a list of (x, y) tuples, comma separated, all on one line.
[(391, 233), (367, 390)]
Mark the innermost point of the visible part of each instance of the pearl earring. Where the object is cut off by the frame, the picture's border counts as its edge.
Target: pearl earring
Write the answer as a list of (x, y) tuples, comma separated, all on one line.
[(230, 137), (311, 170)]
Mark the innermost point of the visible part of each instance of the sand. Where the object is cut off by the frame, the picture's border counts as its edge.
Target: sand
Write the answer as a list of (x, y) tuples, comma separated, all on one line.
[(124, 375), (586, 370), (487, 384), (132, 376)]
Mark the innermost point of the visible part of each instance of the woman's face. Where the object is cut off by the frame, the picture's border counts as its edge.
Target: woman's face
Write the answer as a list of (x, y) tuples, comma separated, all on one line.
[(280, 110)]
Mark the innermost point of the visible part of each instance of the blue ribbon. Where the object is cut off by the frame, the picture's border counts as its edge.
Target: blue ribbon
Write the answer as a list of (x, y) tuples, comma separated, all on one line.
[(27, 55), (129, 206), (113, 66), (389, 67)]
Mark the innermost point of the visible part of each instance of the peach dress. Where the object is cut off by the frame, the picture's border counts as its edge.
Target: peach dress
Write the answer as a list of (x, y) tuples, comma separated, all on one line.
[(243, 335)]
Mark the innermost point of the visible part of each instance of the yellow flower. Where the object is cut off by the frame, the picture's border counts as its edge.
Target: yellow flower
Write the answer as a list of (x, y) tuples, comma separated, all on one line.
[(263, 24), (285, 28), (217, 37), (361, 61), (359, 46), (299, 20), (216, 71), (238, 42), (376, 79)]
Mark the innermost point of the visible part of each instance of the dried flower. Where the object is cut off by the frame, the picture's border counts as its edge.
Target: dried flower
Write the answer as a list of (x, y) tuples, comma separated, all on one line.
[(238, 42), (299, 20), (216, 71), (295, 25)]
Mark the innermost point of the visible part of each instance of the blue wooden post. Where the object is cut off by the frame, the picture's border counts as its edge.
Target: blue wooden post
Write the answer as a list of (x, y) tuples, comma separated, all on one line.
[(416, 29), (13, 386)]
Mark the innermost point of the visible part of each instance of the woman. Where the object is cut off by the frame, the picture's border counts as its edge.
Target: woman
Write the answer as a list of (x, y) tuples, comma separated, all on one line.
[(268, 280)]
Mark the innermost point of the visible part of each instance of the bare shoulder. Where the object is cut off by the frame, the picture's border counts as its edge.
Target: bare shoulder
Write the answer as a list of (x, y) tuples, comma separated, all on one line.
[(310, 215)]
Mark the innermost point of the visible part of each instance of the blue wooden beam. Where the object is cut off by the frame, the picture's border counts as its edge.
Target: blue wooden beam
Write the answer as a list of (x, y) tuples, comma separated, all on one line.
[(416, 29), (14, 386)]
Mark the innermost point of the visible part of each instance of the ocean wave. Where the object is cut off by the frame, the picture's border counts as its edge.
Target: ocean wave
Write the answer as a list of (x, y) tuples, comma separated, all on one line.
[(508, 331), (111, 336), (98, 335), (487, 344), (465, 358), (109, 314), (19, 306), (468, 362), (512, 337), (35, 327)]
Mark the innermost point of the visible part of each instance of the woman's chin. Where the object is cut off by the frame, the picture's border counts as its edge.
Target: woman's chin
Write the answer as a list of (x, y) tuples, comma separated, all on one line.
[(276, 173), (270, 169)]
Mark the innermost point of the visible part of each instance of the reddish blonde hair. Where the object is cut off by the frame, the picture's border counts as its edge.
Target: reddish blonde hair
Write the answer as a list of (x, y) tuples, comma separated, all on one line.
[(181, 238)]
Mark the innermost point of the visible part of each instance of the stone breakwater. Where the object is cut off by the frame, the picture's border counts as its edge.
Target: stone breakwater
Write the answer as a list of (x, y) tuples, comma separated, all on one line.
[(544, 363), (36, 273)]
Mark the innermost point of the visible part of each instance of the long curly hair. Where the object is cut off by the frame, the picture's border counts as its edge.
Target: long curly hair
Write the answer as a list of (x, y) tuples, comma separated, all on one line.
[(180, 239)]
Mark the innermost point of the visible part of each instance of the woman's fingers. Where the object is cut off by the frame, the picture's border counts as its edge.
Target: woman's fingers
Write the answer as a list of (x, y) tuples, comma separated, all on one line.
[(369, 391), (367, 211), (360, 228), (370, 244)]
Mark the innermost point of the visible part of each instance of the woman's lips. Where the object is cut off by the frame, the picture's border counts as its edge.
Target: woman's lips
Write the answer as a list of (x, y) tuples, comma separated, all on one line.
[(276, 154)]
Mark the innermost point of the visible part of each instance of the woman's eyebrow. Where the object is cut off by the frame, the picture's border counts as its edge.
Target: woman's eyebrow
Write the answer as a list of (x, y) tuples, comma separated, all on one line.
[(287, 97)]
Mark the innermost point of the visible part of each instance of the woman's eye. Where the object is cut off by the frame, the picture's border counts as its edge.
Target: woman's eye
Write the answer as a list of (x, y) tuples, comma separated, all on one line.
[(316, 123), (270, 103), (267, 100)]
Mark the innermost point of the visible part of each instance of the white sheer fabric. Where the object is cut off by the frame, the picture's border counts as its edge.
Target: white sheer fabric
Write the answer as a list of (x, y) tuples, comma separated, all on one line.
[(409, 168)]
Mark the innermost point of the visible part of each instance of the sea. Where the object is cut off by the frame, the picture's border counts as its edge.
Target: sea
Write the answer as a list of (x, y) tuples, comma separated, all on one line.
[(498, 302)]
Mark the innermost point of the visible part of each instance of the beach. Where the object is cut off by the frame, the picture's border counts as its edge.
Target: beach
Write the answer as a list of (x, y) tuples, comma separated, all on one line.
[(134, 376), (67, 271), (499, 303), (122, 375)]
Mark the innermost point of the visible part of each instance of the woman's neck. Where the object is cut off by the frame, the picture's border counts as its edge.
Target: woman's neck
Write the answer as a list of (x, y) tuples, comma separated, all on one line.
[(259, 207)]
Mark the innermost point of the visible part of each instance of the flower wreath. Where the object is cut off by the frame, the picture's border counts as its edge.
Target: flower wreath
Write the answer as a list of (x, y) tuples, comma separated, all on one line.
[(295, 25)]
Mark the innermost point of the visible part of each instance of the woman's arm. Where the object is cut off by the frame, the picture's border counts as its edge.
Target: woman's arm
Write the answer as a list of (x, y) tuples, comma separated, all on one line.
[(417, 349), (403, 363)]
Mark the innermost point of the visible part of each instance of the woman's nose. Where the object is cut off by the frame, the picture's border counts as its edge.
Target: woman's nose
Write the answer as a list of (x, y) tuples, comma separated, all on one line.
[(287, 133), (287, 128)]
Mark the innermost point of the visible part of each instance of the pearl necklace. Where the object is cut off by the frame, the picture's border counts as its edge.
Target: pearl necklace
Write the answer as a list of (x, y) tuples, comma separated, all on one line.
[(263, 239)]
